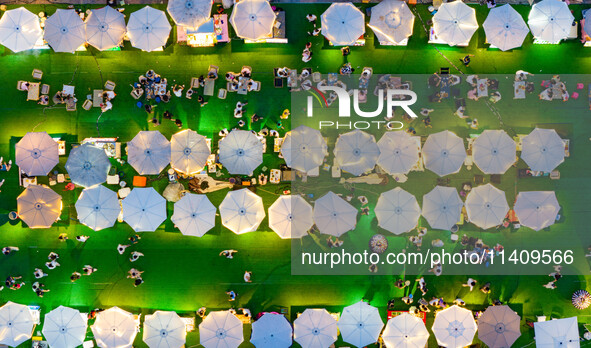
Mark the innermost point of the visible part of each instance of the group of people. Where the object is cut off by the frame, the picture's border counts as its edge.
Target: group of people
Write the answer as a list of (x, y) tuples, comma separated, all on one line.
[(135, 255)]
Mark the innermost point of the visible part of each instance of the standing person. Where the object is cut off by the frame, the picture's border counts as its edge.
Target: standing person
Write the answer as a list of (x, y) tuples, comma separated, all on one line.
[(52, 264), (135, 239), (135, 256), (7, 250), (62, 237), (88, 270), (53, 256), (550, 285), (121, 248), (466, 60), (425, 112), (75, 276), (232, 295), (138, 281), (38, 273), (247, 276), (311, 18), (201, 100), (471, 283), (246, 312), (134, 273), (201, 312), (229, 254), (82, 239)]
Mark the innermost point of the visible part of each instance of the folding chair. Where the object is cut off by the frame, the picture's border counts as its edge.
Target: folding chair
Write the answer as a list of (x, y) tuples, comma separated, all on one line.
[(44, 89), (195, 82), (21, 85), (37, 74), (222, 93), (110, 85), (87, 105)]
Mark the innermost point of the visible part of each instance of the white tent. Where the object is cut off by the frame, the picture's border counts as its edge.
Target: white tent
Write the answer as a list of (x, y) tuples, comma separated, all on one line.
[(542, 150), (189, 13), (64, 31), (498, 327), (536, 209), (220, 329), (114, 327), (148, 152), (304, 149), (405, 331), (291, 216), (399, 152), (315, 328), (164, 330), (563, 333), (494, 151), (194, 215), (65, 327), (105, 28), (39, 206), (505, 28), (188, 152), (391, 21), (454, 327), (19, 29), (98, 207), (36, 154), (272, 330), (356, 152), (241, 152), (486, 206), (360, 324), (550, 20), (342, 24), (144, 209), (444, 152), (397, 211), (16, 324), (88, 165), (253, 19), (242, 211), (455, 23), (333, 215), (442, 207), (148, 29)]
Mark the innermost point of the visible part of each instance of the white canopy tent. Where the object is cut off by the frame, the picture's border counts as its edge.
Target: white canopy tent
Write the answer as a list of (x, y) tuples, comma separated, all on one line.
[(16, 324), (494, 151), (105, 28), (550, 20), (563, 333), (65, 327), (64, 31), (405, 331), (241, 152), (315, 328), (333, 215), (455, 23), (189, 13), (356, 152), (242, 211), (505, 28), (291, 216), (164, 330), (272, 330), (148, 152), (88, 165), (360, 324), (486, 206), (397, 211), (399, 152), (304, 149), (342, 24), (19, 29), (39, 206), (148, 29), (454, 327), (253, 19), (444, 152), (442, 207), (36, 154), (536, 209), (194, 215), (114, 327), (144, 209), (542, 150), (498, 327), (221, 329), (98, 207), (392, 21), (188, 152)]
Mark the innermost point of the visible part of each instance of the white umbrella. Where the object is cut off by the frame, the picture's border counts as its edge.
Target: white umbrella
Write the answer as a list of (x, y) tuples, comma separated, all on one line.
[(486, 206), (505, 28), (405, 331), (356, 152), (242, 211), (392, 21), (188, 152), (19, 29), (98, 207), (148, 152), (455, 22), (494, 151), (442, 207), (194, 215), (333, 215), (315, 328), (454, 327), (272, 330), (498, 327), (542, 150), (241, 152), (88, 165), (114, 328), (304, 149), (536, 209), (36, 154), (342, 23), (397, 211), (144, 209), (105, 28), (555, 333), (220, 329), (291, 216), (64, 31), (550, 20), (360, 324), (164, 330), (587, 26), (148, 29), (16, 324), (39, 206), (252, 19), (444, 153), (399, 152), (189, 13), (65, 327)]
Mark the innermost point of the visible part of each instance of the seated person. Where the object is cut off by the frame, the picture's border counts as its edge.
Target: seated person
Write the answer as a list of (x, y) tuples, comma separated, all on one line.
[(178, 90), (189, 93), (304, 75), (495, 97), (44, 100), (108, 95), (202, 80), (233, 86), (150, 74), (230, 76), (283, 72), (212, 75), (106, 106), (245, 72), (4, 167)]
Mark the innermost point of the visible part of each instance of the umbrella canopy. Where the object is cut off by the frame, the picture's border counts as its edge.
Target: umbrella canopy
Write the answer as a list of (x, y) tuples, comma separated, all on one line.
[(291, 217), (399, 151), (442, 207), (444, 152), (88, 165), (242, 211), (333, 215), (550, 20), (542, 150), (65, 327), (557, 333), (98, 207), (454, 327), (39, 206), (397, 211), (342, 24), (16, 324), (405, 331), (114, 328), (486, 206), (188, 152), (148, 29), (241, 152), (315, 328), (144, 209), (189, 13), (304, 149), (505, 28), (356, 152), (252, 19), (536, 209), (64, 31), (164, 330), (194, 215), (19, 29), (455, 22), (220, 329), (360, 324), (392, 21), (494, 151), (271, 331), (105, 28), (148, 152), (498, 327), (587, 26), (36, 154)]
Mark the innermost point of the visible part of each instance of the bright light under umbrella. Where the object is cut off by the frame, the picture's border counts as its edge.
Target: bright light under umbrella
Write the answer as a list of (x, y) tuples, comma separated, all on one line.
[(36, 154), (148, 29), (189, 13), (19, 29), (188, 152), (494, 151), (144, 209), (98, 207), (164, 330), (442, 207), (405, 331), (360, 324), (88, 165), (241, 152), (356, 152), (444, 153), (290, 217), (114, 327), (542, 150), (342, 24), (304, 149), (536, 209), (16, 324), (271, 331), (333, 215), (397, 211), (399, 152), (148, 152), (315, 328), (455, 22), (392, 21), (194, 215), (486, 206), (105, 28), (242, 211), (505, 28), (557, 333), (252, 19), (498, 327), (220, 329), (39, 206), (454, 327), (64, 31), (550, 20), (65, 327)]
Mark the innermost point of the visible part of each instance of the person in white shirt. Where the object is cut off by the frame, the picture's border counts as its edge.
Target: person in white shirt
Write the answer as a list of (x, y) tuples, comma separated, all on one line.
[(471, 283), (247, 276), (311, 18), (82, 239)]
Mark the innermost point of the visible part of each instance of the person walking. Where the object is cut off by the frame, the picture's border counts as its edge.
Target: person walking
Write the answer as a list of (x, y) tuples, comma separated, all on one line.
[(135, 256)]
